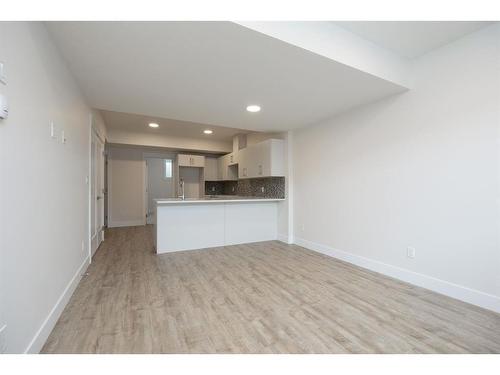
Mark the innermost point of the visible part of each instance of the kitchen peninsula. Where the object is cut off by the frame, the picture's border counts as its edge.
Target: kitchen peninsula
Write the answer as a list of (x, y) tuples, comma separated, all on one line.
[(199, 223)]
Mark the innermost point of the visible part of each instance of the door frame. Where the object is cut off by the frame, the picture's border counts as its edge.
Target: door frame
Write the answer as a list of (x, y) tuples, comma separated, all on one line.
[(90, 181)]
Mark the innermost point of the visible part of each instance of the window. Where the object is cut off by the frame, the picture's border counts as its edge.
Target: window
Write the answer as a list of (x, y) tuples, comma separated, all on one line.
[(168, 168)]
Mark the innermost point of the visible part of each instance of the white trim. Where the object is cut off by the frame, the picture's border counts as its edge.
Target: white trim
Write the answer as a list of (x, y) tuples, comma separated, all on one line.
[(472, 296), (96, 142), (284, 238), (96, 132), (109, 188), (290, 193), (144, 198), (129, 223), (89, 186), (144, 188), (47, 326)]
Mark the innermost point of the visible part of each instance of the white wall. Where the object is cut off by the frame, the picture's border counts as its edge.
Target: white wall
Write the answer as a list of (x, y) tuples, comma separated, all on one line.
[(419, 169), (99, 125), (336, 43), (168, 141), (285, 208), (43, 193), (126, 181), (253, 138)]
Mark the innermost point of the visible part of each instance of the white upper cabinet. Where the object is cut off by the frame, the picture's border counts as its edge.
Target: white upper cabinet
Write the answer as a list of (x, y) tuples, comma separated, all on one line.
[(227, 170), (264, 159), (211, 169), (232, 158), (220, 168), (190, 160)]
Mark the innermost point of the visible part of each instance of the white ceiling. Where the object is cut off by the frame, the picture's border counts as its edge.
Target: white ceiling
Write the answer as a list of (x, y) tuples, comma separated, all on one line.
[(208, 72), (139, 123), (411, 38)]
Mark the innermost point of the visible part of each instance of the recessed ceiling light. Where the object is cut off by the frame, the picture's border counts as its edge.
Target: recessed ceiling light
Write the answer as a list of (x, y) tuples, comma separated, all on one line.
[(253, 108), (153, 125), (208, 131)]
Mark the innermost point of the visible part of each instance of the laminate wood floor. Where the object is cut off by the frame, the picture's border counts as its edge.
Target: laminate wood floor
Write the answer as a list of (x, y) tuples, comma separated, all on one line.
[(265, 297)]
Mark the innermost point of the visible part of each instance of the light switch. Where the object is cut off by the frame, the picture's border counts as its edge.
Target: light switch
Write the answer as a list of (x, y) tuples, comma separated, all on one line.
[(52, 129), (3, 79)]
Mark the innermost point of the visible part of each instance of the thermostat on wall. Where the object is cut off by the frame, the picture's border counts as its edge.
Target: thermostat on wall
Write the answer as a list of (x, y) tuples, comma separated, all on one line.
[(4, 107)]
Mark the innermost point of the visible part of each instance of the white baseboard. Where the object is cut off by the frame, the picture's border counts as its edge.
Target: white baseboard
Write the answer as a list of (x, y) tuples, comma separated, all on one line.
[(47, 326), (131, 223), (472, 296), (283, 238)]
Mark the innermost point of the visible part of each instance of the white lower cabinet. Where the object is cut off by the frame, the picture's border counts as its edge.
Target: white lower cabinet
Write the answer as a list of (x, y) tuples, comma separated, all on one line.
[(189, 226)]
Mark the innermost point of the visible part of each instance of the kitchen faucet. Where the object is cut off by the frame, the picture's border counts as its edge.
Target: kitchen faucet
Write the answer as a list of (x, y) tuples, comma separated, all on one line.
[(181, 185)]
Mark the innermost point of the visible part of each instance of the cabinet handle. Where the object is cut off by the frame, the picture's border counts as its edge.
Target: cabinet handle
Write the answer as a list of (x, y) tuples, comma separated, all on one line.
[(260, 169)]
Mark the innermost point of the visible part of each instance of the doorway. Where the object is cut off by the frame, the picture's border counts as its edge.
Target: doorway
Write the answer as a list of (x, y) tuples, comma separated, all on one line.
[(159, 183)]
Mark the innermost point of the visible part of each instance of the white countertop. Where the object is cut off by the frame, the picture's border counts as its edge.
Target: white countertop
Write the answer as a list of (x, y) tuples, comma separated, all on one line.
[(215, 199)]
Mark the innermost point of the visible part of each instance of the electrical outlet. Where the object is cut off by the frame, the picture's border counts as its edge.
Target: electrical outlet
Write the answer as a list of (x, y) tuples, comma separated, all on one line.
[(263, 189), (3, 340), (302, 227), (83, 246), (410, 252), (63, 137)]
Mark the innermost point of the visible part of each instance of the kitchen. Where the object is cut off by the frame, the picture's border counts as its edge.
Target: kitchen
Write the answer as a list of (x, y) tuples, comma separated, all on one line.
[(229, 190), (227, 200)]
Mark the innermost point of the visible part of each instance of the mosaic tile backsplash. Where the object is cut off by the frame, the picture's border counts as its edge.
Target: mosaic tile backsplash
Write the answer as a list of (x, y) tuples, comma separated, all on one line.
[(274, 187)]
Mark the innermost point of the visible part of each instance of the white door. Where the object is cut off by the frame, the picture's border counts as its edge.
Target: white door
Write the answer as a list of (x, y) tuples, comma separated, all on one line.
[(96, 193), (160, 183)]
